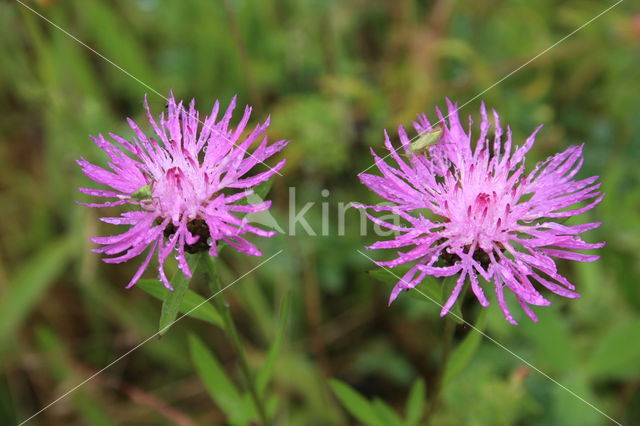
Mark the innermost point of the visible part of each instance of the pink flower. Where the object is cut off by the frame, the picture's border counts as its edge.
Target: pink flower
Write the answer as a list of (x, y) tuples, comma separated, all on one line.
[(184, 185), (475, 212)]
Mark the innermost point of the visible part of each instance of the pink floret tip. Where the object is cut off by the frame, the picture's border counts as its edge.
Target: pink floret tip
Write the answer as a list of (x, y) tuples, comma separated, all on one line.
[(186, 185), (472, 211)]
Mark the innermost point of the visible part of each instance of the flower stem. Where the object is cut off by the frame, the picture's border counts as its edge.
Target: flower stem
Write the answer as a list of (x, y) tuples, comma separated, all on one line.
[(449, 330), (230, 328), (448, 333)]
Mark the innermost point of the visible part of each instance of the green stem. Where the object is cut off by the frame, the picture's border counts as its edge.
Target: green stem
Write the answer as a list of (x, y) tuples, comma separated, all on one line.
[(449, 330), (230, 328)]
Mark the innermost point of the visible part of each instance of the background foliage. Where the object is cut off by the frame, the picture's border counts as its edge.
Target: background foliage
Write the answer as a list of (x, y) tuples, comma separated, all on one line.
[(332, 74)]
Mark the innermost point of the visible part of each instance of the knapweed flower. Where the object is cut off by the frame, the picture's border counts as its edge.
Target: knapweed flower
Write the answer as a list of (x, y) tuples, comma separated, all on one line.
[(473, 211), (184, 185)]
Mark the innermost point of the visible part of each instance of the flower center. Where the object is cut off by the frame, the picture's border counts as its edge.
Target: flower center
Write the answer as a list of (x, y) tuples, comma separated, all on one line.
[(479, 255), (196, 227)]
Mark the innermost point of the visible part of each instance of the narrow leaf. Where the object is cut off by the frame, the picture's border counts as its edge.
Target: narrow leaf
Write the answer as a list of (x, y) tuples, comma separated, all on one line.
[(220, 388), (265, 372), (415, 403), (205, 311), (29, 284), (385, 414), (173, 300), (355, 404)]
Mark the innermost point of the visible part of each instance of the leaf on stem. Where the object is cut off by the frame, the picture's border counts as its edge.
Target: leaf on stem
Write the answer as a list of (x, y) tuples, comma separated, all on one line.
[(173, 300), (192, 305), (239, 409)]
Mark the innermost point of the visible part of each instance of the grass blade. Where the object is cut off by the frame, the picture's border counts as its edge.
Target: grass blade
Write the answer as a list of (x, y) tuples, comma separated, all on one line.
[(28, 285), (220, 387), (265, 372), (355, 404)]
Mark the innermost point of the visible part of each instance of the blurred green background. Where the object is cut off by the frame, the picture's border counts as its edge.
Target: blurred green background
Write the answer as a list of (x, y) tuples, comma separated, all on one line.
[(332, 74)]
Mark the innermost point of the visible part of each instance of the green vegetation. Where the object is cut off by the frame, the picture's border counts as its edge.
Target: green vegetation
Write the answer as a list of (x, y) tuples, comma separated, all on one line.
[(318, 334)]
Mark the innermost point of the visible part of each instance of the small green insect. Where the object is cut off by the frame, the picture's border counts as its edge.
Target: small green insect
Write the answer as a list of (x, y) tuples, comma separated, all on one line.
[(426, 139), (142, 193)]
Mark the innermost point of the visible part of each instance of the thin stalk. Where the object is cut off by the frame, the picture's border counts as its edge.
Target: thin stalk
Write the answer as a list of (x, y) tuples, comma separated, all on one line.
[(230, 328), (448, 333)]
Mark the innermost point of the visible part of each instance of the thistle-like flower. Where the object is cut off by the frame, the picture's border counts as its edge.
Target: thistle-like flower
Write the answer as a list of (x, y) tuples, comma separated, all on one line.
[(473, 211), (184, 185)]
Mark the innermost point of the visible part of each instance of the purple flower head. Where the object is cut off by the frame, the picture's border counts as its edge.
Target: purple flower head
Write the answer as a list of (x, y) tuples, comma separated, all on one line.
[(486, 216), (184, 185)]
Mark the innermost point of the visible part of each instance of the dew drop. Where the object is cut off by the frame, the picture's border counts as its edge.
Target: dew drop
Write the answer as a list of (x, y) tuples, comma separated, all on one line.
[(209, 240)]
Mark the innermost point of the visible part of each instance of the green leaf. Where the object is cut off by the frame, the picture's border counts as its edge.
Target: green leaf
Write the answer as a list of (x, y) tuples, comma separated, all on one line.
[(205, 311), (415, 403), (463, 353), (355, 404), (264, 374), (386, 415), (617, 352), (220, 388), (29, 284), (173, 300)]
